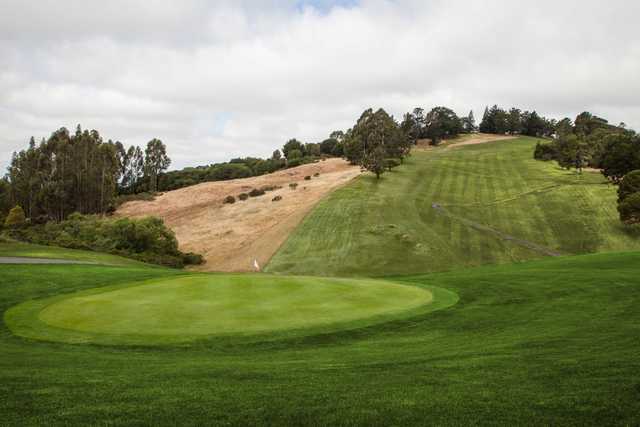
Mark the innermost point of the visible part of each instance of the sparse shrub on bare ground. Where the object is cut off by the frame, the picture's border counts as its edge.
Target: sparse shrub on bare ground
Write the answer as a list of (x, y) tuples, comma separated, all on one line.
[(270, 187), (243, 196), (229, 200), (276, 199), (256, 192)]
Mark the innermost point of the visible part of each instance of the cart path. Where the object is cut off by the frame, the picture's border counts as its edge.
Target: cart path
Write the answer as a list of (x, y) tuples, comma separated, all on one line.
[(504, 236)]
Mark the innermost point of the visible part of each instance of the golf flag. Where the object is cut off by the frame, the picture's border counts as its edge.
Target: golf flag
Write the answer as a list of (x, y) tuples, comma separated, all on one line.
[(256, 265)]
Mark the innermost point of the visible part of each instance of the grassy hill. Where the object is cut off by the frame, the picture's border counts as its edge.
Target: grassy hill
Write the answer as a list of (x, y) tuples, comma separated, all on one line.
[(547, 342), (551, 341), (456, 207)]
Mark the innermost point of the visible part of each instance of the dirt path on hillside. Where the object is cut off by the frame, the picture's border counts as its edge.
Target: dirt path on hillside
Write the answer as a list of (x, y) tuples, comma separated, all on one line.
[(232, 236), (469, 139), (480, 138)]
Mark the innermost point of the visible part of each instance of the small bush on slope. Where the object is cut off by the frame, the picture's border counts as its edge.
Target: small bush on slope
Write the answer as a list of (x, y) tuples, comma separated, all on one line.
[(256, 192)]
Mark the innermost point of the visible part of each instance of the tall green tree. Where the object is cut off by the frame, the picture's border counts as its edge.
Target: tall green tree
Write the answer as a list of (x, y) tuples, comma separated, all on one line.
[(469, 123), (5, 199), (440, 123), (374, 138), (155, 161), (290, 145), (514, 121)]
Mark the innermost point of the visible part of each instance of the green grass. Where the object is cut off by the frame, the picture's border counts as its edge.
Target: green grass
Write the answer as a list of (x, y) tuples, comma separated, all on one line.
[(552, 341), (377, 228), (548, 342), (200, 306), (28, 250)]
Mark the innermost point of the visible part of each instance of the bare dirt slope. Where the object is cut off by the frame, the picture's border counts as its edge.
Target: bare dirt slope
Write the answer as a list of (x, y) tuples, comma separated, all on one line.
[(462, 140), (231, 236), (480, 138)]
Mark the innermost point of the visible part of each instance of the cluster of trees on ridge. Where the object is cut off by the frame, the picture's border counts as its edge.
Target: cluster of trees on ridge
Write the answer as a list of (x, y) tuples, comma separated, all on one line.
[(590, 141), (516, 122)]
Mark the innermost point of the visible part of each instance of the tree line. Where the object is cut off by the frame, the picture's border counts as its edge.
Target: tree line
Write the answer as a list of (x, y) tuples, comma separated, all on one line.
[(293, 153), (591, 141), (77, 172), (516, 122), (438, 124), (80, 172)]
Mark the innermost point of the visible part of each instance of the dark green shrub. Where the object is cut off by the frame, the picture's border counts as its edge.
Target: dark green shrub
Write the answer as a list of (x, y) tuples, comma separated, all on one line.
[(191, 258), (629, 185), (294, 162), (16, 218), (256, 192), (243, 196), (124, 198), (544, 152), (629, 209), (270, 187), (229, 200)]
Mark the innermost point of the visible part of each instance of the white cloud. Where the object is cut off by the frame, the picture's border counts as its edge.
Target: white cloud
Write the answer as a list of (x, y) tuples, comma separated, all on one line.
[(221, 79)]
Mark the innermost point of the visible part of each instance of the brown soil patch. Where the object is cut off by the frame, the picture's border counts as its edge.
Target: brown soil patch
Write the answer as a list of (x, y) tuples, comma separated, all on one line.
[(231, 236), (480, 138), (462, 140)]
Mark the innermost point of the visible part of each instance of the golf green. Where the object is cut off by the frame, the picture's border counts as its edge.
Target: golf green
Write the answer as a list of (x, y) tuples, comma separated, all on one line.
[(197, 306)]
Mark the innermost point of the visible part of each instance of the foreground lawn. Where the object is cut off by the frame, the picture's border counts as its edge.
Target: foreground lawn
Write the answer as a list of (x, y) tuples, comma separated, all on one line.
[(548, 342), (456, 207)]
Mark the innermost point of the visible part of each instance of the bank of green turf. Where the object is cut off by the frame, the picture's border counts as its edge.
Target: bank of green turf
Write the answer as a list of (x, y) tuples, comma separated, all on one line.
[(201, 306), (548, 342), (450, 208), (28, 250)]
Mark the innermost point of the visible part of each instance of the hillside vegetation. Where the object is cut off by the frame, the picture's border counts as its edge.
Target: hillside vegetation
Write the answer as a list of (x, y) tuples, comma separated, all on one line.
[(456, 207), (547, 342)]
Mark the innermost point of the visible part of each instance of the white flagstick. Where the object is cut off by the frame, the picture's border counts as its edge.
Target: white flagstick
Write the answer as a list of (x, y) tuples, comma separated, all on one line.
[(256, 265)]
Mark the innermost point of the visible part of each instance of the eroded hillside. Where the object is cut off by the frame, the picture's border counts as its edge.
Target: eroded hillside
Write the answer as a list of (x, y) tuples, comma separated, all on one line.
[(232, 236)]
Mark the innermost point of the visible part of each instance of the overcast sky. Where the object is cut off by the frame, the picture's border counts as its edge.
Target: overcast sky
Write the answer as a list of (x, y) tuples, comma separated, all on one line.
[(220, 79)]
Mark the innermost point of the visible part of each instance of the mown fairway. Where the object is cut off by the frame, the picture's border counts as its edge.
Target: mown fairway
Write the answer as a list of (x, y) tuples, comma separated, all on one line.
[(451, 208), (548, 342)]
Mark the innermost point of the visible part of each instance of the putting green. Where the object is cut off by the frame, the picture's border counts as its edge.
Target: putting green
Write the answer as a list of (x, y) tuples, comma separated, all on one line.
[(192, 307)]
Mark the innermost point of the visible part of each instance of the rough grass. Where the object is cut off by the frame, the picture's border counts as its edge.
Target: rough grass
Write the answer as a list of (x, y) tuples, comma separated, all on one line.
[(552, 342), (456, 207)]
